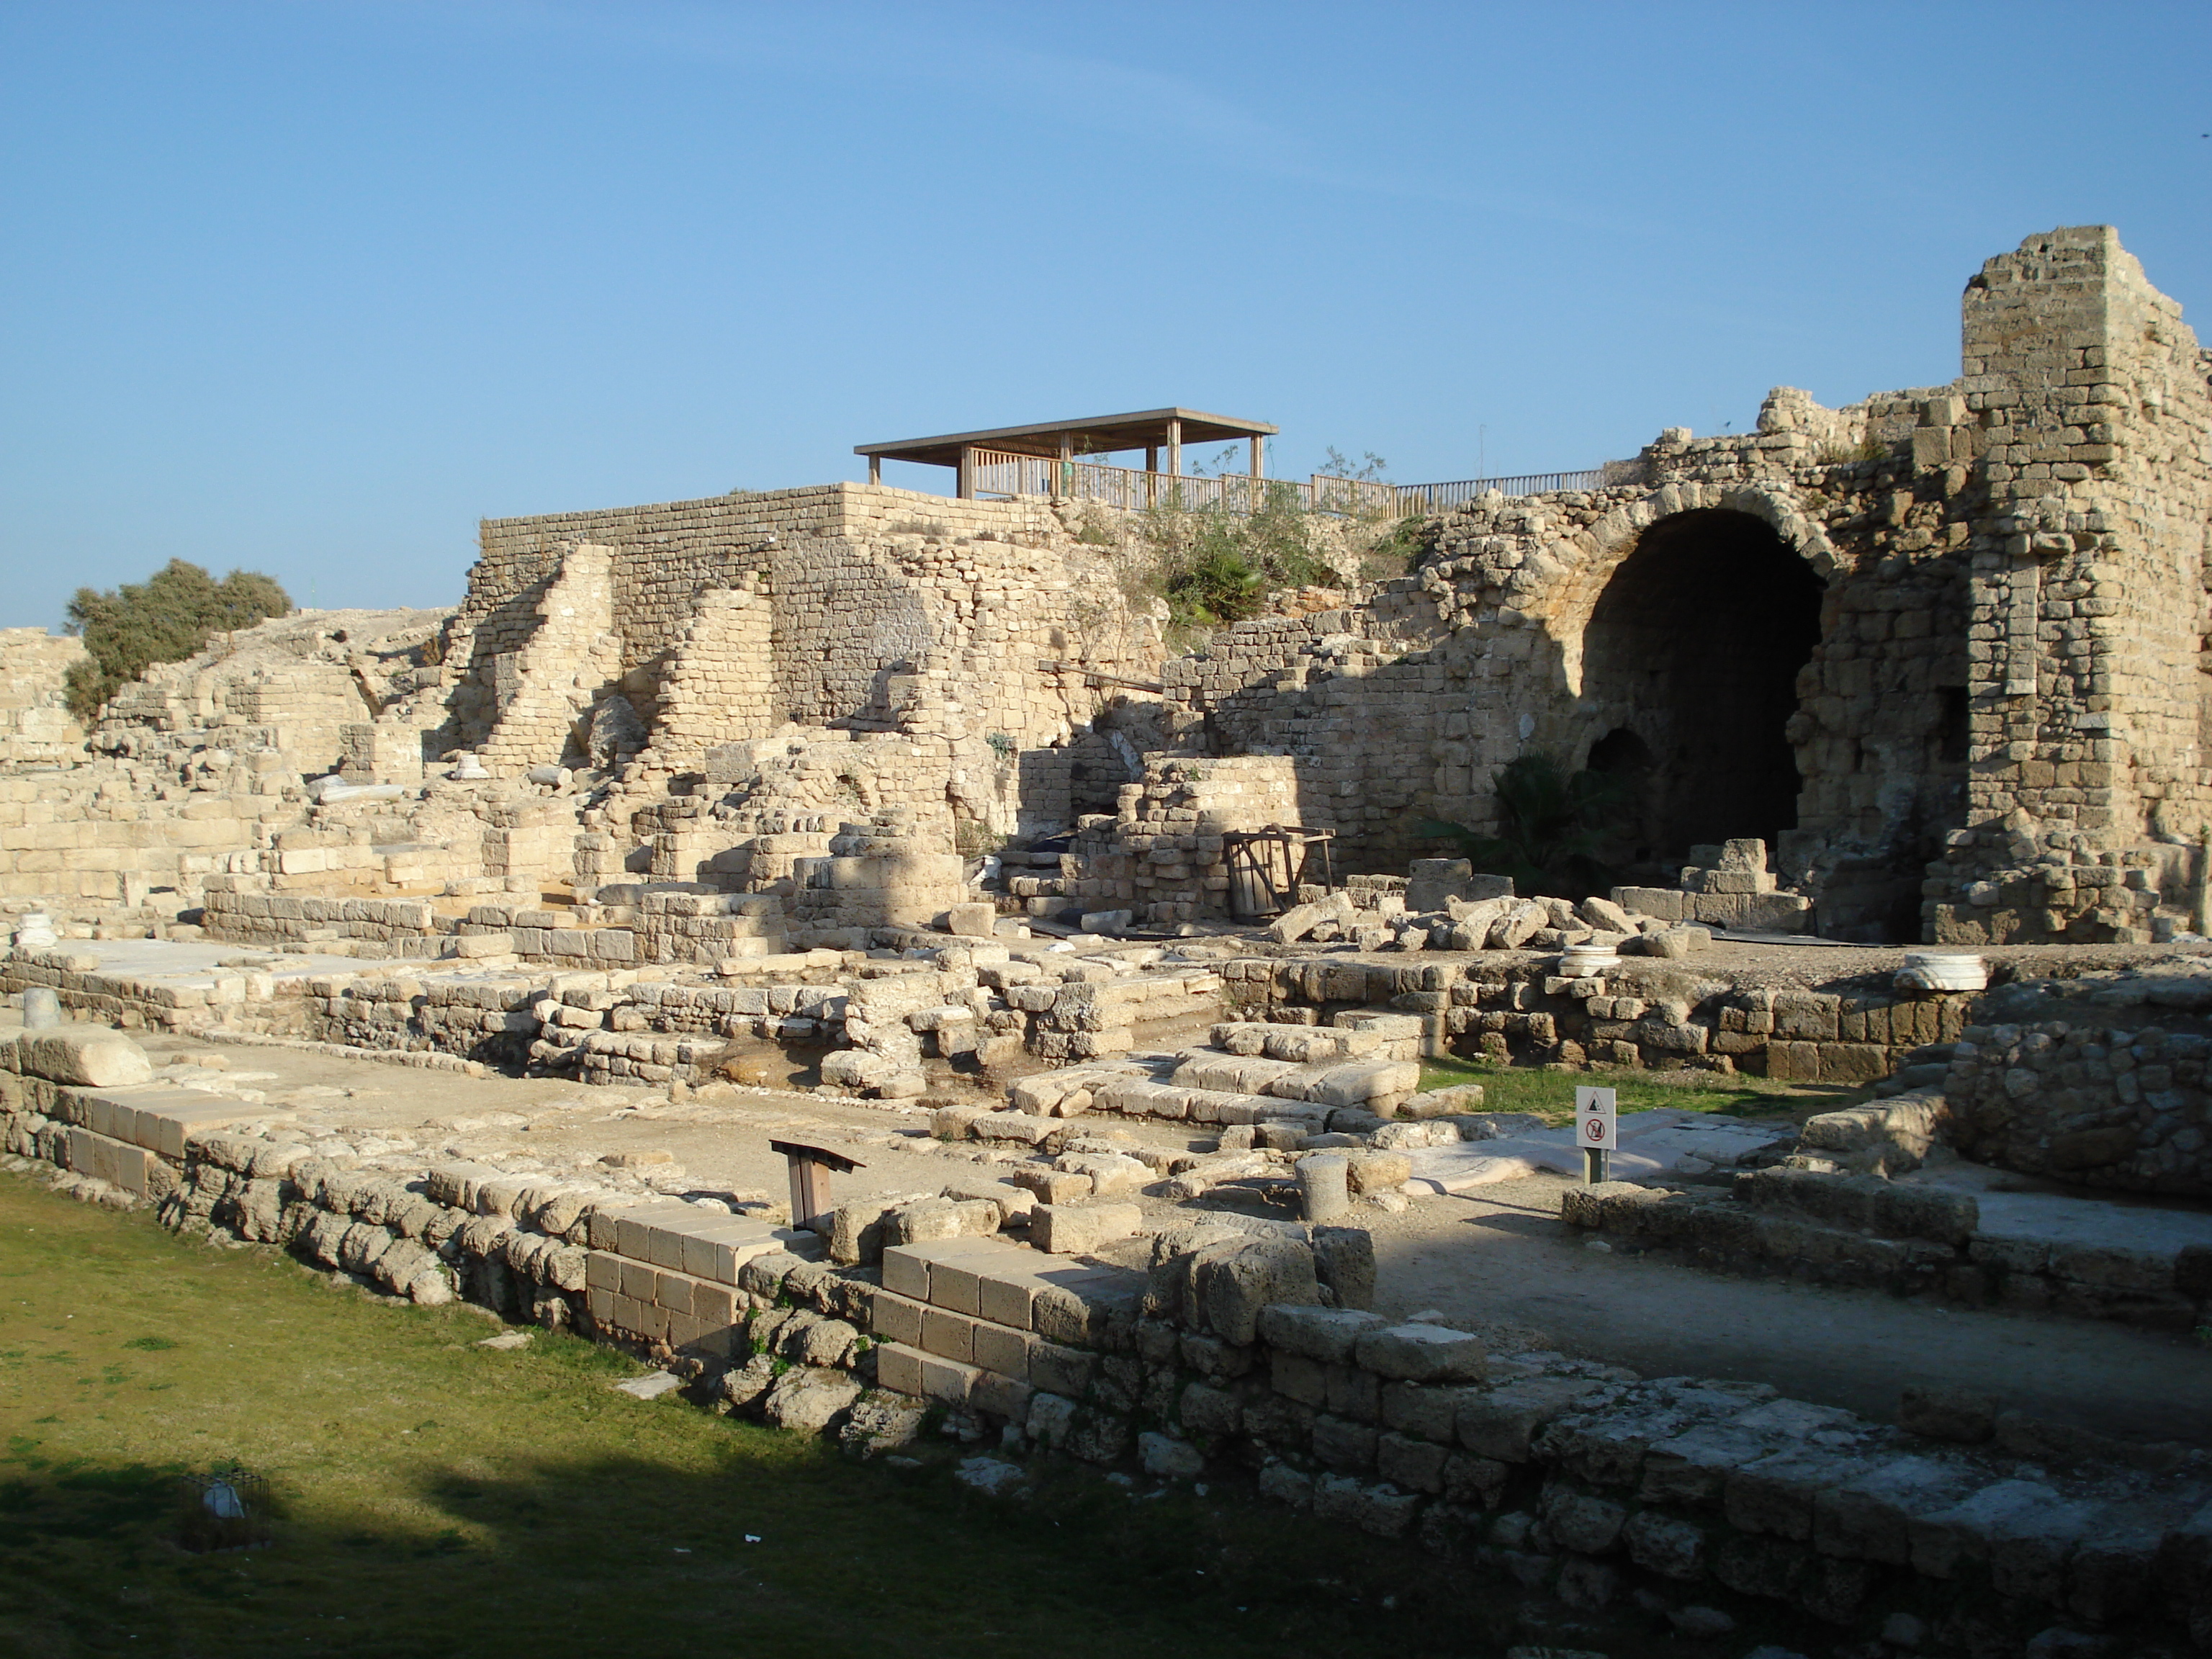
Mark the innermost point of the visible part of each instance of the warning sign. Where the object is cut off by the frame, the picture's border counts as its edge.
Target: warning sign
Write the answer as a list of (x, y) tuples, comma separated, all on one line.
[(1594, 1120)]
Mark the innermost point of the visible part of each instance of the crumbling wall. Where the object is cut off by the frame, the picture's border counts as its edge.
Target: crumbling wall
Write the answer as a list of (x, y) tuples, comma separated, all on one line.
[(2011, 590), (542, 688), (36, 728), (1163, 854), (2106, 1081), (884, 601), (720, 687)]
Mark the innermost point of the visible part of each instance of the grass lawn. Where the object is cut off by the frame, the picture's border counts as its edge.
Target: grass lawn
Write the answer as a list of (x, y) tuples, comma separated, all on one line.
[(1550, 1095), (433, 1497)]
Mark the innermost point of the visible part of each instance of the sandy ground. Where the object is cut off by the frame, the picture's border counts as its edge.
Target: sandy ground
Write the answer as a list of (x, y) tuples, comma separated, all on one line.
[(1499, 1262)]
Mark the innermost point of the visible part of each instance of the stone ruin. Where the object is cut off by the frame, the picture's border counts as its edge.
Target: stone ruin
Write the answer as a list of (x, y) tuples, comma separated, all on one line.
[(1942, 650), (910, 799)]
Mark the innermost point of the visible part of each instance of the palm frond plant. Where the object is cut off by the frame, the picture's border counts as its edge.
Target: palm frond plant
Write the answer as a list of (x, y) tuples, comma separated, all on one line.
[(1552, 827)]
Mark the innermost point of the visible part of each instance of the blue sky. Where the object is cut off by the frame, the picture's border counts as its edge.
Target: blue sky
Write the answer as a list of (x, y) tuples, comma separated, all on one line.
[(311, 287)]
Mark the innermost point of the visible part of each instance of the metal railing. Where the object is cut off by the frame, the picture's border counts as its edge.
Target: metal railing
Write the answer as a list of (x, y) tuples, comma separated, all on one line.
[(1441, 497), (996, 473)]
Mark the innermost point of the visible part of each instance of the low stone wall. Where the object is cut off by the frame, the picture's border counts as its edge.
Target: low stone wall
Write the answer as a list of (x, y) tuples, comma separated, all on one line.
[(1512, 1006), (240, 910), (2100, 1081), (1239, 1351), (118, 999), (1866, 1231)]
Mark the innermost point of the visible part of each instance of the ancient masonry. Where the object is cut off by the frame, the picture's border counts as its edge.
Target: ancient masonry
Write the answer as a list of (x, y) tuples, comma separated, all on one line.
[(892, 796), (1230, 1344), (1942, 650)]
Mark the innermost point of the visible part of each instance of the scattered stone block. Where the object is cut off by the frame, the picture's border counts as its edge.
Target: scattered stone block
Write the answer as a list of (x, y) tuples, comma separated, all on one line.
[(88, 1057), (973, 921), (1080, 1229)]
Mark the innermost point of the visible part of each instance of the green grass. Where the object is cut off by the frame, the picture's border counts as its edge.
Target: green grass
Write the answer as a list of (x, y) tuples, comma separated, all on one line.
[(431, 1497), (1550, 1095)]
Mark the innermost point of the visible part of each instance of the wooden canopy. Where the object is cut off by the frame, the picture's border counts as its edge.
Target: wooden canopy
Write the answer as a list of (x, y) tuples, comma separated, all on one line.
[(1151, 430)]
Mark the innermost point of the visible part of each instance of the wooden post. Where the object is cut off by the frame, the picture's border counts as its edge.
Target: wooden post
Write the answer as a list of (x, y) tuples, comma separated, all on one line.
[(875, 469), (1257, 451), (1174, 448), (810, 1167), (2200, 913), (966, 488), (1064, 484)]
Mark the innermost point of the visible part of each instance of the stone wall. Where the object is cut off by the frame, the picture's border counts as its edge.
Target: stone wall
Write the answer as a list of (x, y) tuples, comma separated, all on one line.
[(1818, 634), (1517, 1006), (1869, 1233), (36, 728), (1163, 853), (890, 610), (2101, 1081), (1225, 1350)]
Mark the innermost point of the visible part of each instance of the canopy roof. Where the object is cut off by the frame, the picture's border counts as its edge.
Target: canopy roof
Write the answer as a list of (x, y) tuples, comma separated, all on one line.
[(1099, 434)]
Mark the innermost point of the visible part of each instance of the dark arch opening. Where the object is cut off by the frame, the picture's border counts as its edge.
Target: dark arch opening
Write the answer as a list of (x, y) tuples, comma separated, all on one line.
[(1620, 754), (1693, 653)]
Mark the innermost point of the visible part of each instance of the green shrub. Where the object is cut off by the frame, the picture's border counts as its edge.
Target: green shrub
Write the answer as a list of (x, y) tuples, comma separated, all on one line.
[(1552, 827), (1219, 567), (167, 617)]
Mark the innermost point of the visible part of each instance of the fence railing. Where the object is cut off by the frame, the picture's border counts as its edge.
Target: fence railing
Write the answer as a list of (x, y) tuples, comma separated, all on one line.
[(1439, 497), (997, 472)]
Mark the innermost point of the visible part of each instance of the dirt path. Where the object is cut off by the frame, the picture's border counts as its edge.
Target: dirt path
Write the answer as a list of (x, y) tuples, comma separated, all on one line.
[(1500, 1262)]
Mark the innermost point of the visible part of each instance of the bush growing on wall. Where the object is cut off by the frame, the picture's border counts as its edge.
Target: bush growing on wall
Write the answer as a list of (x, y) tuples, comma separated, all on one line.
[(171, 615)]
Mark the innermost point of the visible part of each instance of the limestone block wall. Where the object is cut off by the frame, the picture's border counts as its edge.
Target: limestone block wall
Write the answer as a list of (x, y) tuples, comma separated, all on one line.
[(570, 658), (888, 610), (719, 686), (1404, 708), (1236, 1351), (2105, 1080), (36, 728), (894, 869), (1992, 594), (1523, 1009), (95, 834), (2096, 444), (1161, 854)]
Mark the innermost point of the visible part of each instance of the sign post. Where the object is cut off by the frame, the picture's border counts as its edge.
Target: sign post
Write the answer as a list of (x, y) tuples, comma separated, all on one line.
[(1595, 1131)]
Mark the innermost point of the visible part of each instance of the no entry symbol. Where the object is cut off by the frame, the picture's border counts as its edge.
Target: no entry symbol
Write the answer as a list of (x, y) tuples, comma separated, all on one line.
[(1594, 1126)]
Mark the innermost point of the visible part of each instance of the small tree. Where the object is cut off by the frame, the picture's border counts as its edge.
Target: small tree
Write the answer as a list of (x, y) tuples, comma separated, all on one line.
[(166, 618)]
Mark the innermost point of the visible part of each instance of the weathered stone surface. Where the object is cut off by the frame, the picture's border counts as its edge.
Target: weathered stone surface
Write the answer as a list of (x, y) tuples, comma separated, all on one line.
[(1423, 1354), (1249, 1277), (1080, 1229), (1324, 1334), (87, 1057), (807, 1400)]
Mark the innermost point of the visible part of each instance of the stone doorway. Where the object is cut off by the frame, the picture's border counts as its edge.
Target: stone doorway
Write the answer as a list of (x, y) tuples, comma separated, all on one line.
[(1690, 665)]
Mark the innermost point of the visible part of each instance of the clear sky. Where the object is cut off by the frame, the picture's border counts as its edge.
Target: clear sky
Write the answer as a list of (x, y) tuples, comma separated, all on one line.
[(309, 286)]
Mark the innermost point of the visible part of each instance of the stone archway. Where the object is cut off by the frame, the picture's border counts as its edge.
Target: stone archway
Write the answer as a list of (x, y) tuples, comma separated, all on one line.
[(1694, 647)]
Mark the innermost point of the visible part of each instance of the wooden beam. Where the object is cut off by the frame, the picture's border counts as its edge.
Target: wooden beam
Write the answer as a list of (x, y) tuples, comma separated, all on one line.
[(875, 469), (1256, 454), (967, 488), (1174, 448)]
